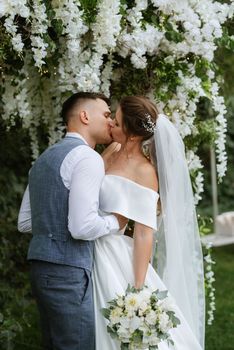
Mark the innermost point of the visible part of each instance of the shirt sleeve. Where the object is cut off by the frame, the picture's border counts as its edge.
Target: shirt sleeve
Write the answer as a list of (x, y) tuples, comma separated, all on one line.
[(84, 221), (24, 218)]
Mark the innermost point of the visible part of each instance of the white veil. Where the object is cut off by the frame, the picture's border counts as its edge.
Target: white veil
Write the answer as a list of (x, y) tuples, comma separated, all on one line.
[(179, 253)]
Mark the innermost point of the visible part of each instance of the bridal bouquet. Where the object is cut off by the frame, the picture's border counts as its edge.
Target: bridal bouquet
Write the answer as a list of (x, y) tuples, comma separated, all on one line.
[(140, 319)]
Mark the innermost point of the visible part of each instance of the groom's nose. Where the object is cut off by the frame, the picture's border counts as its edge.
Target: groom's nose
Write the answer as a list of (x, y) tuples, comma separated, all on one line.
[(111, 123)]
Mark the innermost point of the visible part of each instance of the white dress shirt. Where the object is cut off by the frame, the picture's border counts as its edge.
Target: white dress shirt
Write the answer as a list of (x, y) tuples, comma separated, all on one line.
[(82, 172)]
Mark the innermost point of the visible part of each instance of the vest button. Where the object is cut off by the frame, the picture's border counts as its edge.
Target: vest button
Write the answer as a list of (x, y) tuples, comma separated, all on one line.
[(50, 235)]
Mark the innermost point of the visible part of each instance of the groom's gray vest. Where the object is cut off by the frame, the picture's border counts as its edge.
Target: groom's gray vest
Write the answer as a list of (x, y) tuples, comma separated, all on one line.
[(51, 239)]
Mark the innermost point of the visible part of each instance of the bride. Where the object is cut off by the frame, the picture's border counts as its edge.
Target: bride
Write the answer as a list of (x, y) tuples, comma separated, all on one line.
[(146, 166)]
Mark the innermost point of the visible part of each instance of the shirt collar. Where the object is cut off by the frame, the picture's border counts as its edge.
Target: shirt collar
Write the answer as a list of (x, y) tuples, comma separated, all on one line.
[(77, 135)]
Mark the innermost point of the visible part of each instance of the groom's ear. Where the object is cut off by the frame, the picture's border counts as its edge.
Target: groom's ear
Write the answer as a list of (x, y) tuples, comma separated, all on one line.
[(84, 117)]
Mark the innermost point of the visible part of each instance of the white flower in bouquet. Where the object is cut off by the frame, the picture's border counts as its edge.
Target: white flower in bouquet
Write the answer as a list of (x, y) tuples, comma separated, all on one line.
[(151, 317), (150, 340), (115, 315), (143, 307), (132, 302), (120, 301), (145, 295), (123, 334), (141, 319), (125, 321), (134, 323), (166, 304), (164, 322), (154, 340)]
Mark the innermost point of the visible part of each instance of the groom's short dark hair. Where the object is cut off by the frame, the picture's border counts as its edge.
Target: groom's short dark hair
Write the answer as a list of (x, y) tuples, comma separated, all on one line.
[(74, 100)]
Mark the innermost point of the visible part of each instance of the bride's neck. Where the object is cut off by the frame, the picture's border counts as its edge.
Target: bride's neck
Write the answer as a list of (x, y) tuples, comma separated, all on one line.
[(131, 149)]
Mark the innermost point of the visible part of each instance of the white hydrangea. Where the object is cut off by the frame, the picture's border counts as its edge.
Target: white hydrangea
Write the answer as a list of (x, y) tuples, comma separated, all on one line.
[(151, 317), (164, 322)]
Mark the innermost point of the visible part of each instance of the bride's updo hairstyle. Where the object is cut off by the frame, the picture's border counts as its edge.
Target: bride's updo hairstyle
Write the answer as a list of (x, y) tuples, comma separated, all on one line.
[(139, 116)]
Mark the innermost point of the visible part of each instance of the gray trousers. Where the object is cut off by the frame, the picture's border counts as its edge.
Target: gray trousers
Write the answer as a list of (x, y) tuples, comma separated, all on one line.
[(65, 302)]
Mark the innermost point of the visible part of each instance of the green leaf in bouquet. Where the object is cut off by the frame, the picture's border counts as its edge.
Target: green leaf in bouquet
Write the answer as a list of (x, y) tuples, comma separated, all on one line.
[(175, 320), (112, 333), (156, 291), (170, 342), (162, 294), (129, 289), (106, 313), (124, 346), (153, 347), (113, 303), (137, 336), (163, 336), (153, 301)]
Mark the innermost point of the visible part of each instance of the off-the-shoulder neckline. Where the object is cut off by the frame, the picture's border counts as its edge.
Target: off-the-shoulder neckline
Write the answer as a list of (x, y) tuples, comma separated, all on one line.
[(133, 182)]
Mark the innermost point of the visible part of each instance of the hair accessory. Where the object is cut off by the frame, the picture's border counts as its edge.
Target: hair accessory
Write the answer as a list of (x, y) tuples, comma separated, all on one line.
[(148, 123)]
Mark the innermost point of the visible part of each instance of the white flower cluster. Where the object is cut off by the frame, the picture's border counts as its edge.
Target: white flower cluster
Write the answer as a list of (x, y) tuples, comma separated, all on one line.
[(19, 95), (221, 129), (136, 40), (39, 27), (88, 55), (210, 279), (194, 165), (10, 9), (141, 318), (105, 30), (71, 63), (201, 21), (28, 103)]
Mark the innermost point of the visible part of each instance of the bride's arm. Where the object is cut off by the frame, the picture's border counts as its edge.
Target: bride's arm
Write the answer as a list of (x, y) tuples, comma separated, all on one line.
[(143, 235), (143, 243)]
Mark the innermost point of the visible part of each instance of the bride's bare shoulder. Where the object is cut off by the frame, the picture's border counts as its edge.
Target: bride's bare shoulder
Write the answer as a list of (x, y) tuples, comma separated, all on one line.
[(146, 176)]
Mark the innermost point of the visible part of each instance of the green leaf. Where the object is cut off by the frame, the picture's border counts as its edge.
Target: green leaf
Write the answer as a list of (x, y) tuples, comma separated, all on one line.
[(124, 346), (174, 36), (162, 294), (137, 336), (170, 341), (106, 313), (112, 333), (175, 320)]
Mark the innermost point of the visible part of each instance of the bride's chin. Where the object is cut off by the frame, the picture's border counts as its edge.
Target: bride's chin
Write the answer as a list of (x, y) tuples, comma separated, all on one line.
[(114, 139)]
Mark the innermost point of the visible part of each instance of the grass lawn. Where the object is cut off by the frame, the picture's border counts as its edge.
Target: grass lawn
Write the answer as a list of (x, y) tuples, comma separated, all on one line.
[(220, 336)]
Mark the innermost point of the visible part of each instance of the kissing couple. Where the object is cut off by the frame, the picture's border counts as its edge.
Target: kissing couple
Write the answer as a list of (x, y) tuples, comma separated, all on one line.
[(77, 206)]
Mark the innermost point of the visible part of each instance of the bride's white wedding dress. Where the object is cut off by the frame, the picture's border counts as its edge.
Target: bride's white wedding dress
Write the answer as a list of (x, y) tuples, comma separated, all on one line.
[(113, 262)]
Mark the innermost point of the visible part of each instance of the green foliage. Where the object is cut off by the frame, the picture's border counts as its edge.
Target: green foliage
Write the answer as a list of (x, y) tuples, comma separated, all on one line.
[(205, 224), (90, 10), (220, 335), (106, 313), (18, 316)]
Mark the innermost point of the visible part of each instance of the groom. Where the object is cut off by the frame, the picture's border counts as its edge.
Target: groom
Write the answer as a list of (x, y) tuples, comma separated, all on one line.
[(60, 207)]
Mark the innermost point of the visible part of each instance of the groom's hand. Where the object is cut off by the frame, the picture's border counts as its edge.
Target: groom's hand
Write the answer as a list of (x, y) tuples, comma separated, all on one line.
[(122, 220)]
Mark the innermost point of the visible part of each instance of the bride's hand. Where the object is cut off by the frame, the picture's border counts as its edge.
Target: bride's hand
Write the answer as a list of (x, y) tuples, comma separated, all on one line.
[(122, 220), (109, 153), (113, 147)]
